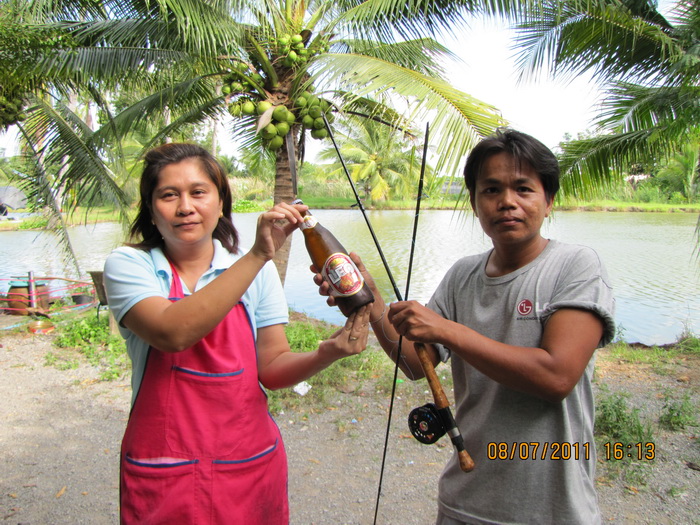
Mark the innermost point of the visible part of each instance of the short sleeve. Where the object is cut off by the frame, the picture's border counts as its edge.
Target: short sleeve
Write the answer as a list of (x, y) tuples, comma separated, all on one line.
[(130, 276), (586, 287), (270, 302)]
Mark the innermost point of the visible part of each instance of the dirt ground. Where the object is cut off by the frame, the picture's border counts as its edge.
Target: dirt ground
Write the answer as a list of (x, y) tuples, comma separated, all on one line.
[(61, 430)]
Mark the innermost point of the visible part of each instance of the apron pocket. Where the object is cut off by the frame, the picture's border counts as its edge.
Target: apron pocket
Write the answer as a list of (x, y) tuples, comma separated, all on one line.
[(252, 490), (208, 412), (157, 491)]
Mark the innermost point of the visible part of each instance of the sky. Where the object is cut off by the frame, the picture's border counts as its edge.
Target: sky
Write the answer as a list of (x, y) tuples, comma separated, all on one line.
[(543, 108)]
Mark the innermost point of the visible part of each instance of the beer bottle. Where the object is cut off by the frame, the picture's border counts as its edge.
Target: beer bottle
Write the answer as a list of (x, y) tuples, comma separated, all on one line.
[(338, 270)]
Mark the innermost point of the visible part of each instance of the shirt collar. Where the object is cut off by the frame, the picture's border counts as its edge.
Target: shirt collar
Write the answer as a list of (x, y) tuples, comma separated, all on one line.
[(220, 262)]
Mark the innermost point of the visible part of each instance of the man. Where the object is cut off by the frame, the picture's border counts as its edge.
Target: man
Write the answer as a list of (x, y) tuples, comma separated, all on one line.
[(520, 324)]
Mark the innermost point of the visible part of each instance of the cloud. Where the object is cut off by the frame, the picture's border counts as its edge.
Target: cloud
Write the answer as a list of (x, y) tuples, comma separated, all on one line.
[(542, 107)]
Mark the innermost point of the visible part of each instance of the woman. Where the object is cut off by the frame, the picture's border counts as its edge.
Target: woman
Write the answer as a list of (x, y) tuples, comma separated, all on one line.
[(204, 327)]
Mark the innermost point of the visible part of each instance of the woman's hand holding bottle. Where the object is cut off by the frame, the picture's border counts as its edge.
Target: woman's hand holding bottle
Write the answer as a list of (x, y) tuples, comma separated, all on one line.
[(274, 226)]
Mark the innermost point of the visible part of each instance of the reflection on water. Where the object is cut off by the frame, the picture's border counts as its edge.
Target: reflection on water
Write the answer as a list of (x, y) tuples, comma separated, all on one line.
[(649, 257)]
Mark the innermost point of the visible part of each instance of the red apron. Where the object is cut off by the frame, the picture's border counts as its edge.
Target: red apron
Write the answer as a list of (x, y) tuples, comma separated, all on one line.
[(200, 446)]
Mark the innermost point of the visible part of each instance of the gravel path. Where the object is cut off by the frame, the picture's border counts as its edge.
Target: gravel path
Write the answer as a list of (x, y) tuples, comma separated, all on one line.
[(61, 431)]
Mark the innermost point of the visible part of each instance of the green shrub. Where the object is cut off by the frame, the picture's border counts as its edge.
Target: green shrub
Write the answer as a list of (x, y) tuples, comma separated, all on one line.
[(33, 223), (305, 336), (616, 421), (678, 414), (246, 206), (92, 337)]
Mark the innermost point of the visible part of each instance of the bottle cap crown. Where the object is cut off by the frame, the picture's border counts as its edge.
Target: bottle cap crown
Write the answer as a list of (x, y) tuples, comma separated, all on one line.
[(308, 222)]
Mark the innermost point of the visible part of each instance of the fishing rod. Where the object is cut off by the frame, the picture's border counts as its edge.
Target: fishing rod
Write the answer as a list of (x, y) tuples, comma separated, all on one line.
[(432, 421), (438, 417)]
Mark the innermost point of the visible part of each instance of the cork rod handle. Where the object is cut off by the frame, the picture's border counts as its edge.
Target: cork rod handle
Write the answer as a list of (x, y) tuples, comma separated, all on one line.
[(466, 463)]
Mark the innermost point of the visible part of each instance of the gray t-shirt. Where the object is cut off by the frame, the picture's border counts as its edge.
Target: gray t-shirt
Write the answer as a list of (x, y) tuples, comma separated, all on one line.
[(498, 423)]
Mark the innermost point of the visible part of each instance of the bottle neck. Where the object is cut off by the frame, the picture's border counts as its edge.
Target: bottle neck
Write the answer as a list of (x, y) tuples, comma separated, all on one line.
[(308, 222)]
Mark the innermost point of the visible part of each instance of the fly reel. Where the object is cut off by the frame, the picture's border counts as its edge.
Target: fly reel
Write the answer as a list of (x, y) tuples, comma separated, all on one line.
[(425, 424)]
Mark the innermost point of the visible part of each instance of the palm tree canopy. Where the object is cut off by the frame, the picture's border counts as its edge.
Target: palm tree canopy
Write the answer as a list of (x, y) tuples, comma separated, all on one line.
[(181, 49), (648, 65), (381, 159), (195, 60)]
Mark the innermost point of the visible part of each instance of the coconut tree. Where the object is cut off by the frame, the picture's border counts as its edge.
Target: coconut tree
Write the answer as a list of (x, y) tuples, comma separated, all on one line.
[(382, 160), (681, 175), (648, 67), (281, 68)]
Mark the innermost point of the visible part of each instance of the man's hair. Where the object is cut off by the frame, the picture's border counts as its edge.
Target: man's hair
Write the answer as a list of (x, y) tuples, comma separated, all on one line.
[(523, 148), (173, 153)]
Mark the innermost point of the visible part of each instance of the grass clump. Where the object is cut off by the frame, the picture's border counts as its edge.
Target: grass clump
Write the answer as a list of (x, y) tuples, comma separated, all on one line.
[(657, 356), (678, 413), (92, 337), (345, 375), (688, 343), (616, 421)]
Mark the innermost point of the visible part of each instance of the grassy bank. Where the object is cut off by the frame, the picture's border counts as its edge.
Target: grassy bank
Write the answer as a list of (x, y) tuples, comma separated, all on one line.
[(617, 206), (105, 214), (561, 205), (84, 334), (620, 416)]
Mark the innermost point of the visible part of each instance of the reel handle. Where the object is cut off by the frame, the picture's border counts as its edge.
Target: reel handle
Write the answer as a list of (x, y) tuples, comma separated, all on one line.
[(466, 463)]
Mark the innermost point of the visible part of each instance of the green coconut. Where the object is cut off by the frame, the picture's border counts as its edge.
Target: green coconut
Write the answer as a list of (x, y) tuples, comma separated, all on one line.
[(263, 106), (276, 143), (280, 113), (282, 128), (269, 131), (319, 134), (307, 121)]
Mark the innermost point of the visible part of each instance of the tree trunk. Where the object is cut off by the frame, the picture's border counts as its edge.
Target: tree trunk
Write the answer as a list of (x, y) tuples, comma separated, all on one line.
[(284, 192)]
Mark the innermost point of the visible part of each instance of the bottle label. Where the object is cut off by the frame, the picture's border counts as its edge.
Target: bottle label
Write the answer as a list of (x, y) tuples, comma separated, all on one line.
[(308, 222), (342, 275)]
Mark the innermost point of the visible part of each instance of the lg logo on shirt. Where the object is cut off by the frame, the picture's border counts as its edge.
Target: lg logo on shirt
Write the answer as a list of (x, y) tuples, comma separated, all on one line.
[(525, 307), (526, 310)]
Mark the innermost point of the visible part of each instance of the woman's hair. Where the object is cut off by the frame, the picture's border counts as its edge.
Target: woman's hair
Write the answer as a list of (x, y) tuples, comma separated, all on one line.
[(154, 162), (523, 148)]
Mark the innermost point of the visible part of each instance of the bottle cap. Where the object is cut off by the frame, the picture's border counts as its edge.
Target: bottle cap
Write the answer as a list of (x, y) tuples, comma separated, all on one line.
[(297, 201)]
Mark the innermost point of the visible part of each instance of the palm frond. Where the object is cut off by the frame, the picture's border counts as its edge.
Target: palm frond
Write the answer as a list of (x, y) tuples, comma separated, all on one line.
[(457, 119), (631, 107), (591, 165), (67, 146), (387, 20), (425, 56), (37, 185), (601, 37)]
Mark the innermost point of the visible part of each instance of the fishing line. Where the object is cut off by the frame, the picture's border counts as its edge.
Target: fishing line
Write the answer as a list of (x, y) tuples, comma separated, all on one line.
[(397, 292)]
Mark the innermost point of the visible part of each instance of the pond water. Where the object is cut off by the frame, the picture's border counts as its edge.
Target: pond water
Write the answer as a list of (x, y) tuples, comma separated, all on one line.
[(649, 256)]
